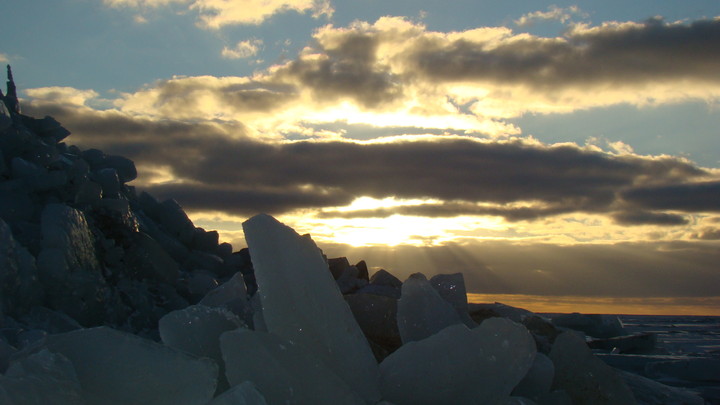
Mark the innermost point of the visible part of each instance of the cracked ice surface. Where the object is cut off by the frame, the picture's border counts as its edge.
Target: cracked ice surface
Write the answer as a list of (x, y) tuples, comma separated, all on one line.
[(302, 303)]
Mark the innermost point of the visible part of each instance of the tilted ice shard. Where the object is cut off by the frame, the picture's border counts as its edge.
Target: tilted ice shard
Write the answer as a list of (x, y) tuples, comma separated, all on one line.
[(301, 302), (117, 368), (459, 366), (422, 312), (585, 377), (452, 288), (232, 295), (196, 330), (284, 372), (538, 380)]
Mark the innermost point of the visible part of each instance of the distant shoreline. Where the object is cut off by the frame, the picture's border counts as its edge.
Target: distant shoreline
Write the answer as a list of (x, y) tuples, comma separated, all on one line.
[(667, 306)]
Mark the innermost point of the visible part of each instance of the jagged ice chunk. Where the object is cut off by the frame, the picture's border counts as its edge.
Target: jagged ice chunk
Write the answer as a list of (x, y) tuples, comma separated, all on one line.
[(422, 312), (284, 372), (301, 302), (586, 378), (459, 366), (196, 330), (117, 368)]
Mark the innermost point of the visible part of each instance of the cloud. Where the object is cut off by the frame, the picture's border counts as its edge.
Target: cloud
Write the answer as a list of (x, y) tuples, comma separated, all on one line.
[(562, 14), (397, 73), (243, 49), (239, 99), (217, 13), (451, 209), (618, 54), (226, 139), (4, 58), (708, 233), (214, 14), (223, 167), (142, 3), (649, 218), (65, 95), (246, 202), (704, 196)]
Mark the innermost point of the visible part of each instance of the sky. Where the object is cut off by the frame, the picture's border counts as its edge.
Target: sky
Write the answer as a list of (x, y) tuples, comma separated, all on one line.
[(545, 150)]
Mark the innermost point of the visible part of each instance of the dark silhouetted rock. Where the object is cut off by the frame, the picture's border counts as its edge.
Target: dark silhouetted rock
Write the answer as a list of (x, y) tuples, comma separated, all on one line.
[(377, 317), (337, 266), (363, 270), (382, 277), (543, 332)]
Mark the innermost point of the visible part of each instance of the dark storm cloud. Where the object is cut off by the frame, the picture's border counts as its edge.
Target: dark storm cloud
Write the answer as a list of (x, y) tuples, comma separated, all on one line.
[(348, 69), (140, 139), (247, 202), (620, 54), (453, 169), (648, 218), (453, 209), (515, 180), (682, 197)]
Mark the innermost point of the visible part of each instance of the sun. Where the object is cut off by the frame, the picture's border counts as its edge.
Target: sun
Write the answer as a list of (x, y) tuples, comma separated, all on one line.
[(393, 230)]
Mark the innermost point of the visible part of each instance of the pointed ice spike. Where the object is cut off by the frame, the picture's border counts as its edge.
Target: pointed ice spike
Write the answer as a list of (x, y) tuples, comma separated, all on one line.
[(11, 100), (301, 303)]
